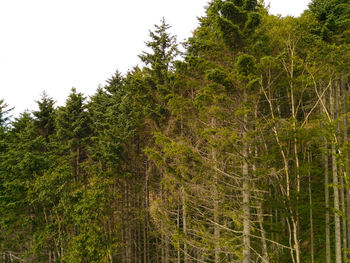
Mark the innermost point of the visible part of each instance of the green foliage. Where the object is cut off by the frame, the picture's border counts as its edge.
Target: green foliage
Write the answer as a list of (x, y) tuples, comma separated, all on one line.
[(231, 32), (4, 113), (245, 64), (158, 164), (164, 50), (333, 17), (250, 5), (232, 12), (45, 116), (253, 22), (238, 2)]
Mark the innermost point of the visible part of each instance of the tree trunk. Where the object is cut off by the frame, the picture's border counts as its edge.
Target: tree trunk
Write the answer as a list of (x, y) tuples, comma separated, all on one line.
[(263, 233), (178, 227), (339, 110), (260, 212), (337, 228), (146, 255), (346, 167), (311, 215), (246, 194), (216, 220), (216, 203), (326, 191), (184, 223), (343, 209), (295, 220)]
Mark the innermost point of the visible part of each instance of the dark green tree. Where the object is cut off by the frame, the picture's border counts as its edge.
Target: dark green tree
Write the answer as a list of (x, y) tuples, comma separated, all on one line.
[(45, 116)]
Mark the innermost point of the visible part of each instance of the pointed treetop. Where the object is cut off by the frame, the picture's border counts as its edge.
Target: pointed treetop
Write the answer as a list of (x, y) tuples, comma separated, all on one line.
[(164, 49), (4, 113)]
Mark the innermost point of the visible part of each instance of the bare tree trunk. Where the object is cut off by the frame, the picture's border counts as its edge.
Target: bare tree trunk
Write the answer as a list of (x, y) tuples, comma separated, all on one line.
[(145, 243), (263, 234), (130, 226), (346, 167), (339, 110), (246, 215), (123, 230), (184, 223), (265, 254), (326, 192), (311, 215), (246, 195), (162, 236), (166, 253), (295, 220), (338, 248), (146, 255), (178, 227), (216, 203), (285, 191), (216, 220), (327, 216), (140, 225), (344, 224)]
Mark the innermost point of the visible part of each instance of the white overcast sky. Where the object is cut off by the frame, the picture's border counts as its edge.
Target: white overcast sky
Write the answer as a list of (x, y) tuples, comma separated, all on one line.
[(54, 45)]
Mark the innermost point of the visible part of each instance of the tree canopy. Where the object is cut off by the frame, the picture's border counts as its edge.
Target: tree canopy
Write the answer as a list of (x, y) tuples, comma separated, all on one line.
[(235, 150)]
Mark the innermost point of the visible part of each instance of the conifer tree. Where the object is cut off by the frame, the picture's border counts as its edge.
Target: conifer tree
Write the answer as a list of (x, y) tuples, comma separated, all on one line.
[(45, 116)]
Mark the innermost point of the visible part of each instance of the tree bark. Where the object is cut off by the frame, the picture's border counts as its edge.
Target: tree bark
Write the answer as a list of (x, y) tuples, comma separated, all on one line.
[(184, 223), (295, 220), (263, 234), (337, 228), (246, 194), (346, 167), (326, 191), (311, 215), (341, 178)]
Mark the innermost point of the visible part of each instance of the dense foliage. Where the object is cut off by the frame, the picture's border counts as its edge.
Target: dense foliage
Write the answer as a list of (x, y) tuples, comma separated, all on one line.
[(235, 150)]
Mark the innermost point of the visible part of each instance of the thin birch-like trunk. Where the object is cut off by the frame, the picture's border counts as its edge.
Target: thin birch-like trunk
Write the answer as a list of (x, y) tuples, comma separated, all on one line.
[(178, 227), (346, 167), (337, 228), (341, 178), (311, 216), (285, 191), (246, 195), (327, 216), (295, 220), (184, 223), (265, 253), (326, 192), (216, 204), (216, 220)]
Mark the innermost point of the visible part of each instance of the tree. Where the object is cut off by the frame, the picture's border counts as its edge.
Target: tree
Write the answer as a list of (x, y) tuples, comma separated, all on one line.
[(45, 116), (164, 51)]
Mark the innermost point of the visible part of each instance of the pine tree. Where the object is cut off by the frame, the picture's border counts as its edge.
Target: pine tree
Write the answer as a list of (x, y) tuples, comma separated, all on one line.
[(45, 116)]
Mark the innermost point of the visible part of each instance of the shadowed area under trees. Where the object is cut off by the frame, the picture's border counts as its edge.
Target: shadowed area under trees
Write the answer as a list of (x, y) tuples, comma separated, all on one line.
[(235, 150)]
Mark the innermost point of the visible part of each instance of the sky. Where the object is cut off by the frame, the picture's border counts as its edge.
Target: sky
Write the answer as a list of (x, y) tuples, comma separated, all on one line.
[(54, 45)]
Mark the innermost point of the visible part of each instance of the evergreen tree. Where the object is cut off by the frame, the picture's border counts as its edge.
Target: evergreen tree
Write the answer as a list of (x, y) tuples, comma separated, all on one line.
[(45, 116)]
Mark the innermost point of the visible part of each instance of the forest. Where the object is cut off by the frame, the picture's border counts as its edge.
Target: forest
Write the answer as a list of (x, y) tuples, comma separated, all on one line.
[(233, 148)]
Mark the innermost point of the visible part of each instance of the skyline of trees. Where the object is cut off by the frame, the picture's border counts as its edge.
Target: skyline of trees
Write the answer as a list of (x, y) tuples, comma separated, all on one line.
[(237, 152)]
